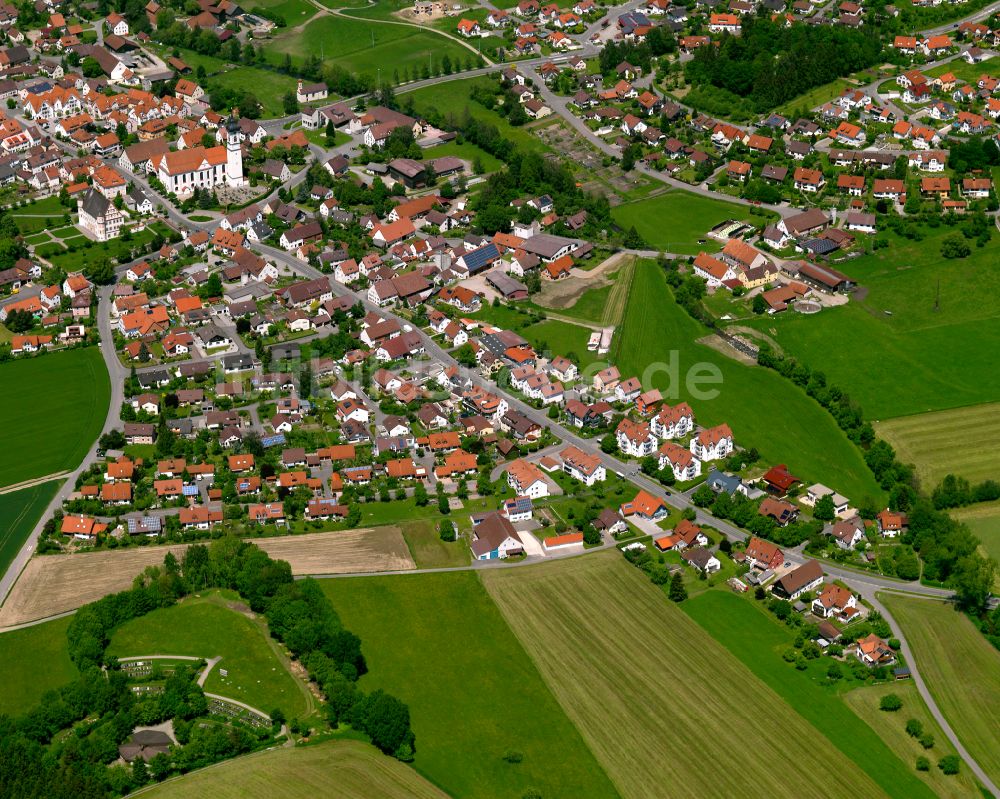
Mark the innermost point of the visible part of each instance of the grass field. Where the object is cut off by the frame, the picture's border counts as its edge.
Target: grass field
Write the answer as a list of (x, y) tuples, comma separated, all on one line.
[(677, 221), (33, 661), (916, 328), (654, 695), (342, 769), (19, 513), (364, 47), (961, 669), (891, 727), (962, 441), (427, 548), (268, 87), (589, 306), (214, 625), (54, 407), (764, 410), (758, 640), (439, 643), (452, 100), (984, 521)]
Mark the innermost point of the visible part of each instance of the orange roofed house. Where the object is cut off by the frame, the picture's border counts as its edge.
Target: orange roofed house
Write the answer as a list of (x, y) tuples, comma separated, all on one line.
[(645, 506)]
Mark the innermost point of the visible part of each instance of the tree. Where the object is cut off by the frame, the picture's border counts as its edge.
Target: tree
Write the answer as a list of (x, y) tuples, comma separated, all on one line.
[(758, 304), (949, 764), (100, 272), (677, 592), (954, 245), (923, 764), (703, 496), (609, 443), (824, 510), (159, 766), (914, 728), (386, 720), (139, 774), (834, 672), (890, 703), (446, 530), (290, 103), (632, 239)]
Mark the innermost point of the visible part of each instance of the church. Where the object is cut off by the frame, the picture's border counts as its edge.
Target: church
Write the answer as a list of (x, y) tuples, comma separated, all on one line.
[(183, 171)]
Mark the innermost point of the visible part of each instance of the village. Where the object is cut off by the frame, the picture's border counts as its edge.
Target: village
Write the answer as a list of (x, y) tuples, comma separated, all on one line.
[(452, 319)]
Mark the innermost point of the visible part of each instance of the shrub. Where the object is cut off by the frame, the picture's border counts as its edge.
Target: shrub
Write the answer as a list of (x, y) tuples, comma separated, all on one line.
[(923, 764), (513, 756), (927, 741)]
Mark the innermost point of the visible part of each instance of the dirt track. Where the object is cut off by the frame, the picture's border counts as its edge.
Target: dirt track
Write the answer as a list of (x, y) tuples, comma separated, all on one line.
[(54, 584)]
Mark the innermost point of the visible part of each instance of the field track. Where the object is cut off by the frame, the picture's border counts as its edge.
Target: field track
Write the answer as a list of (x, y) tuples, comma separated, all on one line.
[(655, 696), (962, 671), (54, 584)]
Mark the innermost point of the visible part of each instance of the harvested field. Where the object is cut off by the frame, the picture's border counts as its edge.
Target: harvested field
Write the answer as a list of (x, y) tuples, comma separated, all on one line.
[(652, 692), (374, 549), (963, 441), (55, 584)]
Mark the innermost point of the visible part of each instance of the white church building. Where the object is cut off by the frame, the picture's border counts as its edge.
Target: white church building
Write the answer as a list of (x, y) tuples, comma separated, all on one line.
[(183, 171)]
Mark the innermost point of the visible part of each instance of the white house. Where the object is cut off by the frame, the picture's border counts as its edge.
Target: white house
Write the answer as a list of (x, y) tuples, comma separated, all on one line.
[(713, 443)]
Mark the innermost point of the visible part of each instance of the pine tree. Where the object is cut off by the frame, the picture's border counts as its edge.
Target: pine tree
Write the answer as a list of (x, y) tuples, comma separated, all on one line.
[(677, 592)]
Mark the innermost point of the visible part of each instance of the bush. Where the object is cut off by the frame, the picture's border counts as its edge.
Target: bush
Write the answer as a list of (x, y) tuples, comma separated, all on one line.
[(890, 703), (927, 741), (949, 764), (513, 756), (923, 764)]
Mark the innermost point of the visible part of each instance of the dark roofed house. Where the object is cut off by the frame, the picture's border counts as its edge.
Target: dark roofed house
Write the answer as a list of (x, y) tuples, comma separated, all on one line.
[(145, 744), (799, 580), (824, 277), (493, 537)]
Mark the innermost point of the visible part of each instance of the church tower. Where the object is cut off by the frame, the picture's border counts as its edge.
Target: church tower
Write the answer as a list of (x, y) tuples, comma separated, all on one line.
[(234, 155)]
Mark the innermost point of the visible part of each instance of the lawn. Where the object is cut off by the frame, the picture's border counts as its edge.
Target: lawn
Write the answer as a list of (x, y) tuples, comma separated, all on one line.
[(207, 627), (655, 697), (917, 306), (961, 441), (677, 221), (439, 643), (116, 249), (757, 639), (268, 87), (965, 71), (32, 661), (293, 12), (365, 47), (466, 151), (961, 669), (54, 407), (815, 97), (763, 409), (19, 512), (892, 729), (451, 99), (427, 548), (345, 769), (562, 338)]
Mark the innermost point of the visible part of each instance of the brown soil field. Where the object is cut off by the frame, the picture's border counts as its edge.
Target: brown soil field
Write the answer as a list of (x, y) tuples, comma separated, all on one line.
[(54, 584)]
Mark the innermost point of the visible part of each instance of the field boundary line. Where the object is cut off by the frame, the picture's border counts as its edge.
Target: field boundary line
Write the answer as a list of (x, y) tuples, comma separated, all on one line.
[(25, 484)]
